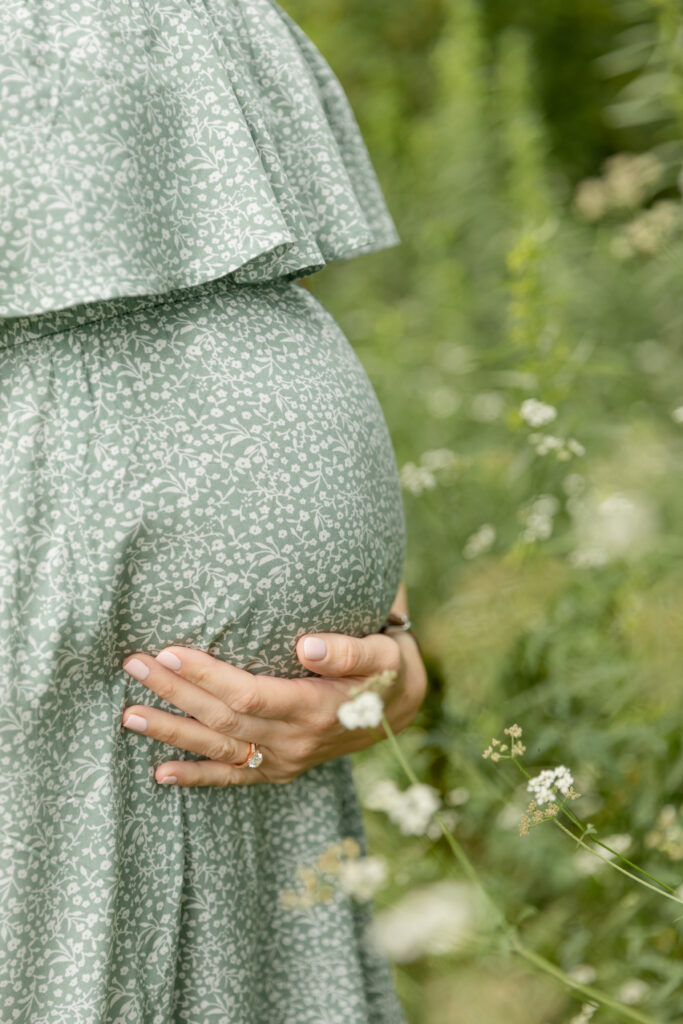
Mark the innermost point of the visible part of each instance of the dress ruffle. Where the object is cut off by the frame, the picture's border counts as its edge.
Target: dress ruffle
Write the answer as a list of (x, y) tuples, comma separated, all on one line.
[(164, 144)]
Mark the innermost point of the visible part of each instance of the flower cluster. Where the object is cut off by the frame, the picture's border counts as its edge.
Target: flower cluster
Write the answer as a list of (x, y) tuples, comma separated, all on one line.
[(480, 542), (436, 464), (538, 518), (627, 181), (438, 918), (339, 868), (536, 413), (410, 809), (363, 712), (498, 750), (546, 785), (366, 708), (564, 447)]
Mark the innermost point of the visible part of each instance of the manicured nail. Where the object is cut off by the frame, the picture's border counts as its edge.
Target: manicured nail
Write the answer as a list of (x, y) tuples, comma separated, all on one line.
[(137, 723), (169, 659), (168, 780), (136, 668), (315, 648)]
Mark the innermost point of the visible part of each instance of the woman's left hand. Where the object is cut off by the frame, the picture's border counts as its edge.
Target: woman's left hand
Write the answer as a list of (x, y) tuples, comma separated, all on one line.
[(292, 721)]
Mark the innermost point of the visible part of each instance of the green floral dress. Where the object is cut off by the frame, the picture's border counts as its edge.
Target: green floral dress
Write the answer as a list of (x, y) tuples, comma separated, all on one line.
[(192, 453)]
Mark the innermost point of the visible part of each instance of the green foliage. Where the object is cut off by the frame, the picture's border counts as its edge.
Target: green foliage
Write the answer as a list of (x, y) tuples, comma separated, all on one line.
[(531, 268)]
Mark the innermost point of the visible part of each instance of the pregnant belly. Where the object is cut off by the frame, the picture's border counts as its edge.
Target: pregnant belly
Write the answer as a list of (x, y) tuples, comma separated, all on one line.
[(214, 470)]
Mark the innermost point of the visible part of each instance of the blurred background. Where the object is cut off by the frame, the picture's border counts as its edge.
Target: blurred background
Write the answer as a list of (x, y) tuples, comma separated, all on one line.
[(531, 155)]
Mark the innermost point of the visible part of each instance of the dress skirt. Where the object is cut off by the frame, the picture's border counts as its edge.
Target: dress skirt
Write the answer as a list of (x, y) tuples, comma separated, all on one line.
[(207, 467)]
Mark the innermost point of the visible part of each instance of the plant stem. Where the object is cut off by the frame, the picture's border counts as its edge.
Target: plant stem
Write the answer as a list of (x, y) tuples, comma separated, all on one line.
[(629, 874), (508, 930)]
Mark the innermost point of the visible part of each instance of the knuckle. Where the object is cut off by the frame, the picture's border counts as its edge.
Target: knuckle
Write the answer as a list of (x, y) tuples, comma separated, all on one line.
[(221, 749), (250, 702), (201, 675), (348, 656), (301, 749), (172, 734), (167, 690), (324, 720), (223, 719)]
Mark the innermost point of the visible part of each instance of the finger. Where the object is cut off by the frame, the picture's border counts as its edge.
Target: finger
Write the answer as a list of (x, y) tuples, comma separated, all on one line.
[(196, 701), (337, 654), (247, 694), (207, 773), (184, 733)]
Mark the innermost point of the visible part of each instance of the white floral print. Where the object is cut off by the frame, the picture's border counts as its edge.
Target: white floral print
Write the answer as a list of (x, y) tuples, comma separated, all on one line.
[(152, 144), (192, 453)]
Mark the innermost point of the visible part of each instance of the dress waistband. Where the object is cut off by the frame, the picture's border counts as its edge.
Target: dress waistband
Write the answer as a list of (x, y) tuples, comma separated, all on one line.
[(19, 329)]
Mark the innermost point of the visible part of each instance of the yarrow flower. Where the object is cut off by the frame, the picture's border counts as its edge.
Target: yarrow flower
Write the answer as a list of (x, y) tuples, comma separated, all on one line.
[(361, 878), (363, 712), (410, 809), (480, 541), (563, 447), (366, 707), (536, 413), (498, 750), (545, 786)]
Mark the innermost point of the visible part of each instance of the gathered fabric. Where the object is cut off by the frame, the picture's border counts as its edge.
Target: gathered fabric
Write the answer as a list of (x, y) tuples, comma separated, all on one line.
[(153, 146)]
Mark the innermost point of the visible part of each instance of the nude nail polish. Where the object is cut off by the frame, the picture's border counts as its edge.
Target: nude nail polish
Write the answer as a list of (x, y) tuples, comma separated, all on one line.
[(137, 723), (169, 659), (136, 668)]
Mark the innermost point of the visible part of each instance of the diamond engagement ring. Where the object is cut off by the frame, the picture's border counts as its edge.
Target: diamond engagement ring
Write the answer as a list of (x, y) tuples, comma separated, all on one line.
[(254, 758)]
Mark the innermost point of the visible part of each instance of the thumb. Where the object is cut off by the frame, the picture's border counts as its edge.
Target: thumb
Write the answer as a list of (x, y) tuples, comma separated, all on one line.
[(338, 654)]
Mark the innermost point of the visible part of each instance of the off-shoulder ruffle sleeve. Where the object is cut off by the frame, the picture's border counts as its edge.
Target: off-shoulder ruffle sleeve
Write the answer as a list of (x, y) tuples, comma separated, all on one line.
[(156, 145)]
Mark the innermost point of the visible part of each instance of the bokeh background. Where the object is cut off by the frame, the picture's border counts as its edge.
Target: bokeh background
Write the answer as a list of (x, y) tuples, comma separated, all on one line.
[(531, 154)]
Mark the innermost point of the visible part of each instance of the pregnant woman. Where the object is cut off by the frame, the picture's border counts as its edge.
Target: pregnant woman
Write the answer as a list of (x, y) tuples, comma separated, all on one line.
[(201, 526)]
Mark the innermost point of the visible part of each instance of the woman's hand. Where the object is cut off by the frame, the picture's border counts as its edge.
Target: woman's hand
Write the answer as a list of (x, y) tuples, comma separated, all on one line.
[(293, 721)]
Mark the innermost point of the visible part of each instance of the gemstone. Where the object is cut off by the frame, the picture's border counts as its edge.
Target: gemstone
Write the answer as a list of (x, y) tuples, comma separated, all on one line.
[(255, 759)]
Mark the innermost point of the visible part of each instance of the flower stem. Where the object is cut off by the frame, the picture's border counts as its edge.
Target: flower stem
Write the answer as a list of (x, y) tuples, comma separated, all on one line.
[(508, 930)]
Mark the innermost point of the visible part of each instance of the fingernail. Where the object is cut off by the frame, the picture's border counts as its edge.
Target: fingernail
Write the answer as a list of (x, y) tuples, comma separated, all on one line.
[(168, 780), (169, 659), (315, 648), (136, 668), (137, 723)]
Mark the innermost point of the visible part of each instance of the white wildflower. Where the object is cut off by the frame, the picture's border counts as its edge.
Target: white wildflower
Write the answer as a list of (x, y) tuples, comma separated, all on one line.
[(456, 797), (628, 177), (585, 1015), (677, 414), (410, 809), (480, 541), (363, 712), (362, 877), (585, 974), (575, 447), (382, 795), (574, 484), (591, 199), (617, 526), (538, 517), (413, 811), (633, 991), (416, 478), (433, 919), (536, 413), (439, 458), (450, 820), (545, 785)]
